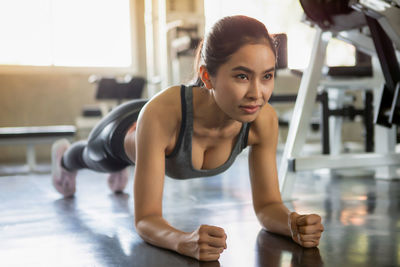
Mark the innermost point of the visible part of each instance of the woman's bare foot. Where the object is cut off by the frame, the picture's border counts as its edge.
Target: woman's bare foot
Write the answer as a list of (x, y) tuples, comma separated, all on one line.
[(117, 181), (63, 180)]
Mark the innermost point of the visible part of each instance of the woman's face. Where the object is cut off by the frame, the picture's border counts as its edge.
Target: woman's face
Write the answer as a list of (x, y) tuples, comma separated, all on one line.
[(244, 84)]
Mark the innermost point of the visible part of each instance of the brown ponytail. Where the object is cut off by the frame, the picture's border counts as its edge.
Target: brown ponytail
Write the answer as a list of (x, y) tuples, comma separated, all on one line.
[(197, 63)]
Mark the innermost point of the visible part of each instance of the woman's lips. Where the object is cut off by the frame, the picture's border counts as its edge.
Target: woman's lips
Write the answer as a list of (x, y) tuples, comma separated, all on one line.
[(250, 109)]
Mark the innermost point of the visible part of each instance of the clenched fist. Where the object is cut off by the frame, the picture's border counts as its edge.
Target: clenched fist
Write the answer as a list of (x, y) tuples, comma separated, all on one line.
[(306, 230), (206, 243)]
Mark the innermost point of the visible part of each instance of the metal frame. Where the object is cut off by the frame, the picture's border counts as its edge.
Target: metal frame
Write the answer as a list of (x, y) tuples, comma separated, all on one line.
[(302, 111), (291, 161)]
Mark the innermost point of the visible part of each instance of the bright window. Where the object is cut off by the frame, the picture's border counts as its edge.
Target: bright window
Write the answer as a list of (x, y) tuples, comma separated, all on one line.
[(65, 33)]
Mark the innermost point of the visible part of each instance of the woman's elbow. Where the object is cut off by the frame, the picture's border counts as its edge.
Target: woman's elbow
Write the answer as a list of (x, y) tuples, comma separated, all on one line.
[(140, 223), (140, 226), (144, 223)]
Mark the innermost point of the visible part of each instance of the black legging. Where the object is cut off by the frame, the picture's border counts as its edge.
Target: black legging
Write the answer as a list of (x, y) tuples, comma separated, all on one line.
[(104, 150)]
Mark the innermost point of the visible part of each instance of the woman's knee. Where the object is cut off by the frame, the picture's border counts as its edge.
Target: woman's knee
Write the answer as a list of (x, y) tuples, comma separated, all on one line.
[(130, 144), (73, 157)]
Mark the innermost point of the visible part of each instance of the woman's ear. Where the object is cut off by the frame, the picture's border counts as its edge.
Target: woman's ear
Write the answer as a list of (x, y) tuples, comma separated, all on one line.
[(205, 77)]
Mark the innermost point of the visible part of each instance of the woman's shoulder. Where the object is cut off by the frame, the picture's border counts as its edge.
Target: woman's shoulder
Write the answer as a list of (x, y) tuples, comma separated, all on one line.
[(265, 126), (163, 109), (166, 100)]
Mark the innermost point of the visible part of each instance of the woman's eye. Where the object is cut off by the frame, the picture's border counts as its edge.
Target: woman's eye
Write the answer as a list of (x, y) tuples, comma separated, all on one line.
[(241, 76), (268, 76)]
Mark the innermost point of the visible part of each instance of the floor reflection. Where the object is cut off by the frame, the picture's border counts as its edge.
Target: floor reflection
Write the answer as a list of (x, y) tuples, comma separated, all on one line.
[(361, 216), (272, 247), (108, 243), (362, 222)]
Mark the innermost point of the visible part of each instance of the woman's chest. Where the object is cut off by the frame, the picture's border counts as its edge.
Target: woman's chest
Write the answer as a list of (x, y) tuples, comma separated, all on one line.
[(211, 153), (208, 149)]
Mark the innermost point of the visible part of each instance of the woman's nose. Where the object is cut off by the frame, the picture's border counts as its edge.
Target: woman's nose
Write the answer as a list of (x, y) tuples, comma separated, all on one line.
[(254, 91)]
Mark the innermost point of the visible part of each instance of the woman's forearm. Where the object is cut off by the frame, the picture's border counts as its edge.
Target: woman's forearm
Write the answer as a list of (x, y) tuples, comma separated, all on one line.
[(305, 230), (275, 218), (205, 243), (158, 232)]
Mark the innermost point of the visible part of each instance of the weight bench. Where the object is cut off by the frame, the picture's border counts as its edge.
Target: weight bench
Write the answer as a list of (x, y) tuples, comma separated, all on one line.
[(31, 136)]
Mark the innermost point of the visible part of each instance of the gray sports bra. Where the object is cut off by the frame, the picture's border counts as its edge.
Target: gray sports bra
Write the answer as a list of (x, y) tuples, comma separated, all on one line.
[(178, 164)]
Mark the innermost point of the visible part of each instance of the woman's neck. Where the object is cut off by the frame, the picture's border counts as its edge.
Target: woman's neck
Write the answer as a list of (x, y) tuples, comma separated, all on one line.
[(207, 113)]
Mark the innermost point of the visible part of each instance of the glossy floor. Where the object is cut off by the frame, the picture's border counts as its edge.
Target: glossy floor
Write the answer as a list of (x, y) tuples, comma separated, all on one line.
[(39, 228)]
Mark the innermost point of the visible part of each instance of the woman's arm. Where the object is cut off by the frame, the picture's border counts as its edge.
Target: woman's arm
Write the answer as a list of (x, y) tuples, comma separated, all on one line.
[(153, 134), (273, 215)]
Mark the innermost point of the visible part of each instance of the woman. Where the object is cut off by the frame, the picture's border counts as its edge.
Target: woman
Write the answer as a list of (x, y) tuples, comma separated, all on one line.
[(196, 131)]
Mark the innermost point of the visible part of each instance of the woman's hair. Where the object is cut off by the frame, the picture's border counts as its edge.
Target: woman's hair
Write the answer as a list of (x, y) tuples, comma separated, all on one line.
[(226, 37)]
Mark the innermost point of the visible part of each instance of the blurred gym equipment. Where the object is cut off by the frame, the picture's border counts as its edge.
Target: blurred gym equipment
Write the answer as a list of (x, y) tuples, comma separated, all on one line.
[(373, 27), (110, 92)]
